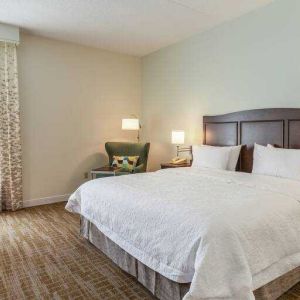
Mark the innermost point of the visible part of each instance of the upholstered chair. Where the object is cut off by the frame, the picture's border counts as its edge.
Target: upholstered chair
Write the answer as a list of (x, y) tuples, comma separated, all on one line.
[(129, 149)]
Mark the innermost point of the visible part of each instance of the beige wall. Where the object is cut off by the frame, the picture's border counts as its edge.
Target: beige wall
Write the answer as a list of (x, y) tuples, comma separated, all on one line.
[(251, 62), (72, 101), (73, 98)]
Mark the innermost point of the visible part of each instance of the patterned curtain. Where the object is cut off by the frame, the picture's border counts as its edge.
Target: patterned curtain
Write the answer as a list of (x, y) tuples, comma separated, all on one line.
[(10, 143)]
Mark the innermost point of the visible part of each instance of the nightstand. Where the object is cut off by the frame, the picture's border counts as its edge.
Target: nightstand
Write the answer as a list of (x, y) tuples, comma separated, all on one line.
[(170, 165), (105, 171)]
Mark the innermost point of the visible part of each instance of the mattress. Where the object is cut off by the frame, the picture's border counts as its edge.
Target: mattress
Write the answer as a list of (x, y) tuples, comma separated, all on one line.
[(235, 232), (162, 287)]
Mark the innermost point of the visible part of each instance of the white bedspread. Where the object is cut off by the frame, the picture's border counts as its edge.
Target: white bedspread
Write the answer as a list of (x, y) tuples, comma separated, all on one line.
[(228, 233)]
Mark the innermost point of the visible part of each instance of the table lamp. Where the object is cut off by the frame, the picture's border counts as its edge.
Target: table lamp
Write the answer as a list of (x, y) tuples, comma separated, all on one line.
[(178, 139)]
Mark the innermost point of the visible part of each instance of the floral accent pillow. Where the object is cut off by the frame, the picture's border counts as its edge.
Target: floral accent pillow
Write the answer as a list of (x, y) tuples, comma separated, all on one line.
[(127, 163)]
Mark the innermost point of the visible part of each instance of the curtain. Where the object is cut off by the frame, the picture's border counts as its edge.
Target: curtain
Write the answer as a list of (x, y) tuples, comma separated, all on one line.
[(10, 141)]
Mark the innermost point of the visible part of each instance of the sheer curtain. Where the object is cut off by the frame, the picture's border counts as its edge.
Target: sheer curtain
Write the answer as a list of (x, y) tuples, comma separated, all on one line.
[(10, 143)]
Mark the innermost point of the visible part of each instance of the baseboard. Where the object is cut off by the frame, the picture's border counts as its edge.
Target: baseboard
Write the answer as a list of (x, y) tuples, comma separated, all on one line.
[(45, 200)]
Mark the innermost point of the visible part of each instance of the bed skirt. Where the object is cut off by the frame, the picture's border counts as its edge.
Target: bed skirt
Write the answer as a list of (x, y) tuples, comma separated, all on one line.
[(162, 287)]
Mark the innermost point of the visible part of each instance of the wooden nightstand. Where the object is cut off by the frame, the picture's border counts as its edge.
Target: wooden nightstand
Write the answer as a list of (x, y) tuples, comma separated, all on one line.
[(170, 165)]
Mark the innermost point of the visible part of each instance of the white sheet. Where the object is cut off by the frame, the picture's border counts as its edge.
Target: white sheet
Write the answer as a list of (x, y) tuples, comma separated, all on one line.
[(228, 233)]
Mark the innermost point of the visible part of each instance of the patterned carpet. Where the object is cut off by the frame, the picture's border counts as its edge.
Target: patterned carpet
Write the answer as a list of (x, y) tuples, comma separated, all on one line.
[(43, 257)]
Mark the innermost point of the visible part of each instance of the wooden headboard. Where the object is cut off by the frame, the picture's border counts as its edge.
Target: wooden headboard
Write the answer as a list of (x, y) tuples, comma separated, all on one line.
[(277, 126)]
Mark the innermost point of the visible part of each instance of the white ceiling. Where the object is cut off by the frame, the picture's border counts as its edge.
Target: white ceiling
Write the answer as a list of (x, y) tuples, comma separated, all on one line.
[(135, 27)]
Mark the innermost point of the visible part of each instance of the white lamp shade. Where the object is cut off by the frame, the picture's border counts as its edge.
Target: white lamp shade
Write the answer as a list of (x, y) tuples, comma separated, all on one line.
[(177, 137), (130, 124)]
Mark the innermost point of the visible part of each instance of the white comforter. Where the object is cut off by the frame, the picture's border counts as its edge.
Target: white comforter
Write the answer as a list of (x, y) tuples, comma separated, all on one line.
[(228, 233)]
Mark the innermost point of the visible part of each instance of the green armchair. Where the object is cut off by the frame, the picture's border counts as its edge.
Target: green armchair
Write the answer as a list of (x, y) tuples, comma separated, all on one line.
[(129, 149)]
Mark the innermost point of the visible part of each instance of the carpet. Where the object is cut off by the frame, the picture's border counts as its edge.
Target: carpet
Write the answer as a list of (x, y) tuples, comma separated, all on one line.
[(42, 256)]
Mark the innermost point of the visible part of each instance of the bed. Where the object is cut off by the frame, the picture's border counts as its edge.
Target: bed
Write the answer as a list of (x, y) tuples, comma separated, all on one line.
[(242, 239)]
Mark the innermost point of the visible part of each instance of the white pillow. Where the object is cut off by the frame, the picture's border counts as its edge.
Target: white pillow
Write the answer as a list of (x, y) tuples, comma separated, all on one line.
[(210, 157), (277, 162), (233, 157)]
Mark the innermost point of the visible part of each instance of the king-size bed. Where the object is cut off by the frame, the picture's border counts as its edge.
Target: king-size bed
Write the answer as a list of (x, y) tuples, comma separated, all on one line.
[(204, 233)]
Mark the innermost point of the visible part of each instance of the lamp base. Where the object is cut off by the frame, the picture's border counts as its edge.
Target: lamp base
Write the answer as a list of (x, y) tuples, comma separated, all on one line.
[(184, 149)]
